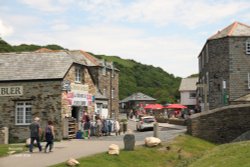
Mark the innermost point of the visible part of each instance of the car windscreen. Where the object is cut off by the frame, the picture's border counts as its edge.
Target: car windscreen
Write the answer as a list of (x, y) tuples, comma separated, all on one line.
[(148, 120)]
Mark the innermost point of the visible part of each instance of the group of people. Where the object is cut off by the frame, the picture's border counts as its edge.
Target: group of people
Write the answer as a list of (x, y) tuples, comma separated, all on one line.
[(36, 133), (99, 127)]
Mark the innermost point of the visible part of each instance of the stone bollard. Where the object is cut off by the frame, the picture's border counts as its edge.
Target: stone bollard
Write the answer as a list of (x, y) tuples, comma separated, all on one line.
[(156, 130), (5, 132), (129, 142)]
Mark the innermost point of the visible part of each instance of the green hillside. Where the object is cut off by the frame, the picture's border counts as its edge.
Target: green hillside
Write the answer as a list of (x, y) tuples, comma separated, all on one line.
[(150, 80), (134, 76)]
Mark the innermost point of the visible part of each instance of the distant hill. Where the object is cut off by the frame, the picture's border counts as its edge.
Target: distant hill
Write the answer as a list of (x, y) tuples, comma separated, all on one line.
[(134, 76), (150, 80), (5, 47)]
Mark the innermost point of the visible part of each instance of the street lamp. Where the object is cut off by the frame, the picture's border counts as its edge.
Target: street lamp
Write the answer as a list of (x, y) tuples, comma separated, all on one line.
[(205, 89)]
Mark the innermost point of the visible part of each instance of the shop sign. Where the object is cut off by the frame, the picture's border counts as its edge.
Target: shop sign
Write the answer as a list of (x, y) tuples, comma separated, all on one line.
[(11, 91), (79, 88)]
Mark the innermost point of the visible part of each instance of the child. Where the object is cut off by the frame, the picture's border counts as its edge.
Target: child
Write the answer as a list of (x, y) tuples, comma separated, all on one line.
[(49, 136)]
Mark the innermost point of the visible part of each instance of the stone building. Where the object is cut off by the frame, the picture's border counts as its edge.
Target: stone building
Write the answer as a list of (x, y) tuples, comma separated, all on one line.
[(224, 67), (53, 85), (136, 102)]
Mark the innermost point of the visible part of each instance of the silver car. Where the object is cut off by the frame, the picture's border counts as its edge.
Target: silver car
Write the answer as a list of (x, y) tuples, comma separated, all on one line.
[(146, 122)]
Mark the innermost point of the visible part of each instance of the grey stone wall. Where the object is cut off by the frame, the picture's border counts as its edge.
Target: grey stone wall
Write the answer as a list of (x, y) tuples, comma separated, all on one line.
[(227, 62), (239, 67), (217, 68), (45, 97), (220, 125)]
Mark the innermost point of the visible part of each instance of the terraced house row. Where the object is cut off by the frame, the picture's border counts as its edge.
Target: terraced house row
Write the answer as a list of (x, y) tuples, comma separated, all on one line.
[(55, 85)]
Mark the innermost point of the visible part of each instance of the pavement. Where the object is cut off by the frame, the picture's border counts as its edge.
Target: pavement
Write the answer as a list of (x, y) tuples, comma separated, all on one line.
[(77, 148)]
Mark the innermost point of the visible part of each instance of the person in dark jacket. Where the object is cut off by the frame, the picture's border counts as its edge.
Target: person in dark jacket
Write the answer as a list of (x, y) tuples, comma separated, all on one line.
[(49, 136), (86, 127), (35, 132)]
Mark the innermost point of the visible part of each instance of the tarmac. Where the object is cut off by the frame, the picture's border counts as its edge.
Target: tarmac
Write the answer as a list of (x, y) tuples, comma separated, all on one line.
[(66, 149)]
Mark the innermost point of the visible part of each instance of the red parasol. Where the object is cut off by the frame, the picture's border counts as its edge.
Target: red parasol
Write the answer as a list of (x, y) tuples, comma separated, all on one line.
[(153, 106), (176, 106)]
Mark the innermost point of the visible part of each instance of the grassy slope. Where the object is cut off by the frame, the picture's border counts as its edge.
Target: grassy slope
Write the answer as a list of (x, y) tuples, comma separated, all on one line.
[(5, 148), (228, 155), (191, 149)]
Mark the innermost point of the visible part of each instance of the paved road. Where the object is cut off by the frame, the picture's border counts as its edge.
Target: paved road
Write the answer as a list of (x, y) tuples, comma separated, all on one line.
[(78, 148)]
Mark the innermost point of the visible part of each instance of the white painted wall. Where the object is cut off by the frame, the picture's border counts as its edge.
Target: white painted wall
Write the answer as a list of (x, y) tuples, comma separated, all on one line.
[(185, 98)]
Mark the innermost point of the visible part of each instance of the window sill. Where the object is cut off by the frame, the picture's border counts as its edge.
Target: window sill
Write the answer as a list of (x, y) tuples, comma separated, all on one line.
[(24, 124)]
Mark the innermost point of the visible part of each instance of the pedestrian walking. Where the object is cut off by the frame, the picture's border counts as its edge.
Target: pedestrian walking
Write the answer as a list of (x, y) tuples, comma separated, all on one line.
[(35, 133), (117, 127), (86, 127), (49, 136), (98, 126)]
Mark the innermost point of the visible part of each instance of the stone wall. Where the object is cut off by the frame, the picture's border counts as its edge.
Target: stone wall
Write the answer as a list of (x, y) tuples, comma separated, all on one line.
[(217, 68), (45, 97), (239, 67), (220, 125)]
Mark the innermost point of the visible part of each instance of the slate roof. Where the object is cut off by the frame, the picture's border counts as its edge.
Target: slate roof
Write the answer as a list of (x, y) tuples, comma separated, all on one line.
[(36, 65), (80, 56), (43, 64), (188, 84), (137, 97), (235, 29)]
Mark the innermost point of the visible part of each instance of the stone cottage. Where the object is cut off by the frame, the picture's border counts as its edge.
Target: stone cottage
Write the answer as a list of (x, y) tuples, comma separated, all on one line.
[(53, 85), (224, 67)]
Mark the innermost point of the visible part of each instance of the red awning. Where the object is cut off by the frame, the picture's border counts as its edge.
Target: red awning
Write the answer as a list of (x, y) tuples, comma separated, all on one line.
[(176, 106)]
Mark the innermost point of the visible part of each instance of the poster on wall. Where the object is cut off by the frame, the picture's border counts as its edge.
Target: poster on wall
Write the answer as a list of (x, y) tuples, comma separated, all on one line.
[(78, 96)]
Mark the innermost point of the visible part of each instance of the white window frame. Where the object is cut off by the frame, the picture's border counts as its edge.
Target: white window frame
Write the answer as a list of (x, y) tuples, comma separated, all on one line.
[(78, 74), (248, 80), (104, 92), (24, 107), (248, 47), (112, 93), (104, 70)]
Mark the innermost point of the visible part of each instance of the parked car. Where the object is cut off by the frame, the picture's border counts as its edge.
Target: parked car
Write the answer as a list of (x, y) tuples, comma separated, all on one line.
[(146, 122)]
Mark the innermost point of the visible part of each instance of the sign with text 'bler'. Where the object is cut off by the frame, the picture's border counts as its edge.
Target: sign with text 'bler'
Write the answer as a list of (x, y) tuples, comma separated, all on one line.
[(11, 91)]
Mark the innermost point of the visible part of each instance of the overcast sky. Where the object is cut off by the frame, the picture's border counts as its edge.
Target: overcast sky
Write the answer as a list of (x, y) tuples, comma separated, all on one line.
[(163, 33)]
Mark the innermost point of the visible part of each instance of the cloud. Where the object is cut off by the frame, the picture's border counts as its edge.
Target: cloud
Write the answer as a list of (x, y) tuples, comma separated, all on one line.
[(161, 12), (172, 53), (5, 30), (48, 5)]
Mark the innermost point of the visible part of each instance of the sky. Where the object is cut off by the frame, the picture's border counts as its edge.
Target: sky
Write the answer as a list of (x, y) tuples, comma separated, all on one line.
[(164, 33)]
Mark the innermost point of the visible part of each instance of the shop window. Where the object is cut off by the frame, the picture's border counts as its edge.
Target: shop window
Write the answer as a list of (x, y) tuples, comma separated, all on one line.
[(23, 113)]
